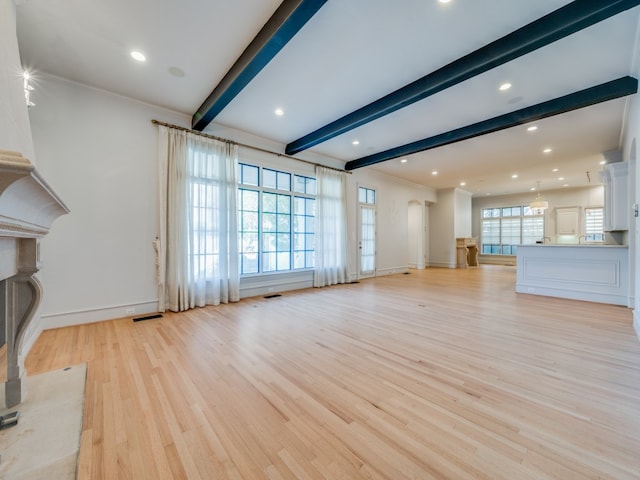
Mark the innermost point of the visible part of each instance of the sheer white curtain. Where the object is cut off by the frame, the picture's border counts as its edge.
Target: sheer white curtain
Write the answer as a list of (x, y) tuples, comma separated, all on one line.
[(198, 241), (331, 260)]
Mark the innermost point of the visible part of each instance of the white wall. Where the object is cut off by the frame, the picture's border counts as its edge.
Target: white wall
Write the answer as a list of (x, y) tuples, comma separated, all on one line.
[(99, 153), (449, 218), (442, 242), (462, 212), (393, 197), (416, 238), (15, 131)]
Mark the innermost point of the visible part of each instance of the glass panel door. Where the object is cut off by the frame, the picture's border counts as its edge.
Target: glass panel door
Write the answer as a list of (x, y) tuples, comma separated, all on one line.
[(367, 240)]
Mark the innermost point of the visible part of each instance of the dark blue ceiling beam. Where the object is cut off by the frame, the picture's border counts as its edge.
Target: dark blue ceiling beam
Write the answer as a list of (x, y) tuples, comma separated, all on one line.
[(601, 93), (569, 19), (287, 20)]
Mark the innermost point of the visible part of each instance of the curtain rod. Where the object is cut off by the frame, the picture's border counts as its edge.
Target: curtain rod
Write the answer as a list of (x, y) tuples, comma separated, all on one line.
[(264, 150)]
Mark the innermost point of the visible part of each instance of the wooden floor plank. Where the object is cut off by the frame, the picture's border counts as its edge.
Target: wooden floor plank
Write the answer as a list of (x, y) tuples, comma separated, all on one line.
[(437, 374)]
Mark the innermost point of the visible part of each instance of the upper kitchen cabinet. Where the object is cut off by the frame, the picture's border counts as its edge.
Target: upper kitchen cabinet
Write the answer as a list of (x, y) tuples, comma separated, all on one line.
[(568, 221), (615, 178)]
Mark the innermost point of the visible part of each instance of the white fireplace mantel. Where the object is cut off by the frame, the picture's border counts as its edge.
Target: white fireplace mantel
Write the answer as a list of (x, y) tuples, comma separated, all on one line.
[(28, 208)]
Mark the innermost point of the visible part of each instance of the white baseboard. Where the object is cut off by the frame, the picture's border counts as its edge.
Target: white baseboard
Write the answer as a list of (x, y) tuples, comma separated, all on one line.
[(391, 271), (252, 286), (275, 283), (573, 294), (91, 315), (636, 323), (67, 319), (442, 265)]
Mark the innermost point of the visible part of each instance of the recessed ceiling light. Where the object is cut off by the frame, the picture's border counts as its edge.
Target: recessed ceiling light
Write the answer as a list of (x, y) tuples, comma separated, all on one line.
[(565, 185), (603, 162), (547, 150), (435, 172), (532, 128), (555, 170), (444, 1), (138, 56), (279, 112), (356, 142), (463, 184), (515, 175), (560, 179), (505, 86), (404, 160), (533, 189)]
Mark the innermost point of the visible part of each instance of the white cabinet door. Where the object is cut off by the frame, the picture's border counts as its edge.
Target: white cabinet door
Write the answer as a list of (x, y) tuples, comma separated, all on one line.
[(567, 221), (615, 178)]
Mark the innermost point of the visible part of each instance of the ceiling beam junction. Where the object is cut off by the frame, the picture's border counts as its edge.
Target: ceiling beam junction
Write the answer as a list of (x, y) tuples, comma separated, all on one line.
[(600, 93), (287, 20), (561, 23)]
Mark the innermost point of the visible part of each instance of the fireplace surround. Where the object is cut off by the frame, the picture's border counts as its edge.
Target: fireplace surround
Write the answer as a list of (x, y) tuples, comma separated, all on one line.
[(28, 208)]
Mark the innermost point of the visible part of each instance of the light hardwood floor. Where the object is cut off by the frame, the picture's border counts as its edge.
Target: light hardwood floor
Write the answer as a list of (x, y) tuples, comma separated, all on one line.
[(441, 373)]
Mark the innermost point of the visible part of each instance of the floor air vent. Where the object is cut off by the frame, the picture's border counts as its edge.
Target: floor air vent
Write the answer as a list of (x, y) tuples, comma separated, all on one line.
[(148, 317), (275, 295)]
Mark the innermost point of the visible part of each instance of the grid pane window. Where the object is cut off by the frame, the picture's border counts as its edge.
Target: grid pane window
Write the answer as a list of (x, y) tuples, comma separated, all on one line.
[(277, 228), (204, 246), (512, 212), (276, 225), (367, 195), (368, 239), (248, 206), (269, 178), (284, 181), (594, 224), (532, 228), (503, 229), (303, 184), (303, 232), (276, 180), (510, 235), (248, 174), (491, 237)]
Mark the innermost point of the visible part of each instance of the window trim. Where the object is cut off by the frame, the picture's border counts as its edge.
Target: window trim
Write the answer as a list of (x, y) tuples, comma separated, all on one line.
[(309, 193), (523, 208), (600, 232)]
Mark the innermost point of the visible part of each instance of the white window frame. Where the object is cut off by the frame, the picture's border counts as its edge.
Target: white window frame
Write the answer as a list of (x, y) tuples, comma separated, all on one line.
[(293, 192), (593, 234), (526, 213)]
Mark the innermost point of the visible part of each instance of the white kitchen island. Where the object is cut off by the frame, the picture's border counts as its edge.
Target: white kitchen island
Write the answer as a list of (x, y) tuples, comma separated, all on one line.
[(595, 273)]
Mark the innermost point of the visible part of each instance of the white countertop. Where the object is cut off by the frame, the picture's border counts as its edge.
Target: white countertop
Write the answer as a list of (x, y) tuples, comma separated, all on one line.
[(581, 245)]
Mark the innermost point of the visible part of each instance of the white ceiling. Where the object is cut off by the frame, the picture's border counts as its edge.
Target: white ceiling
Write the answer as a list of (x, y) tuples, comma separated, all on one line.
[(349, 54)]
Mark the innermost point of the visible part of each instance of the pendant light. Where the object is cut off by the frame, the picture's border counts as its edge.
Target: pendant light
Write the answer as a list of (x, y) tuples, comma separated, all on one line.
[(539, 205)]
